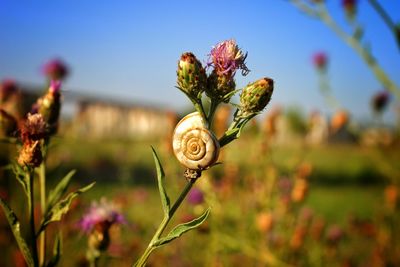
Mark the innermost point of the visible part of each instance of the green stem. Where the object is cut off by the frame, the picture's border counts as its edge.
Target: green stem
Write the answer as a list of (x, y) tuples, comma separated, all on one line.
[(213, 108), (322, 13), (143, 259), (199, 108), (362, 51), (386, 18), (32, 218), (42, 240)]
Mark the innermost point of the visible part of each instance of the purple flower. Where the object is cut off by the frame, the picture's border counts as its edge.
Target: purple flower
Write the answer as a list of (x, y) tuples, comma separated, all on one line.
[(103, 214), (195, 196), (55, 69), (226, 58)]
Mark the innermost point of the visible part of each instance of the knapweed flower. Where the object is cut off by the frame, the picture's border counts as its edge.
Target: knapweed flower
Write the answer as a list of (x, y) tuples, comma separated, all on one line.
[(8, 124), (97, 222), (320, 61), (103, 212), (192, 78), (56, 69), (226, 58), (350, 7), (33, 128), (379, 101), (195, 196), (49, 106), (255, 96), (7, 88), (334, 234)]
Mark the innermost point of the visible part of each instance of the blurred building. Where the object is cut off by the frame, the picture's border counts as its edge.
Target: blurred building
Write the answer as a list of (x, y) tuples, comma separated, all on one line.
[(111, 119)]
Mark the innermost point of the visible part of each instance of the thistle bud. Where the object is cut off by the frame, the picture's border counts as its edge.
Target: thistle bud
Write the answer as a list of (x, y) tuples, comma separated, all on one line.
[(49, 106), (256, 96), (379, 101), (55, 69), (219, 86), (192, 76), (350, 8), (320, 61), (30, 154), (8, 124)]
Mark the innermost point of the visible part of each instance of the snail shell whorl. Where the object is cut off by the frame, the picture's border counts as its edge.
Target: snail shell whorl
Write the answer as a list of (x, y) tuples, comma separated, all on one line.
[(194, 145)]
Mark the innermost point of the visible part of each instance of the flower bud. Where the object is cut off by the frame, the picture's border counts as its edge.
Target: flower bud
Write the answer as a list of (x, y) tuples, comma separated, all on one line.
[(55, 69), (379, 101), (256, 96), (192, 76), (350, 8), (320, 61), (218, 86), (30, 154), (8, 124), (49, 106)]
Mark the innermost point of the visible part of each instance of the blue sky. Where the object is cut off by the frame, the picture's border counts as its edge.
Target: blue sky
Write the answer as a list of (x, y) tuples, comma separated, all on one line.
[(129, 49)]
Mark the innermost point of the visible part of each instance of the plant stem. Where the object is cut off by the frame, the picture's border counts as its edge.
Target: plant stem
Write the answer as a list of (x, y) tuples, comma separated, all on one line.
[(199, 108), (143, 259), (42, 240), (386, 18), (32, 218), (213, 108)]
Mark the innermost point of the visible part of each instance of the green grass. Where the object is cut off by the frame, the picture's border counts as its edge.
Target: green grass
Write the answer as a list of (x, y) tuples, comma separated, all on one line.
[(337, 203)]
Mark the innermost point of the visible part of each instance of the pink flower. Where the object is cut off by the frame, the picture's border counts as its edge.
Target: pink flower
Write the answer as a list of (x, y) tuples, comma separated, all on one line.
[(195, 196), (226, 58), (56, 69), (320, 60), (102, 214)]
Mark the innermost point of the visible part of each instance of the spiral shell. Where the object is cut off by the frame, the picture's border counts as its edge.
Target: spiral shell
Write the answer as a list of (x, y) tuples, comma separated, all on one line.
[(194, 145)]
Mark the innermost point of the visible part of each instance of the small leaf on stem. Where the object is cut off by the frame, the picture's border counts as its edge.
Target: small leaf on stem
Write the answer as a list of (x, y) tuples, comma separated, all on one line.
[(59, 190), (61, 207), (182, 228), (160, 178), (16, 229)]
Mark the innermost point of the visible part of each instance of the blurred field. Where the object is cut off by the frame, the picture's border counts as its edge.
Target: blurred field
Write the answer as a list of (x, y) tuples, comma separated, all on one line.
[(345, 186)]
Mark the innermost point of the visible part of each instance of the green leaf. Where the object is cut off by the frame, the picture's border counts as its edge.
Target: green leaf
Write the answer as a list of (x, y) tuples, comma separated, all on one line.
[(160, 178), (183, 228), (61, 207), (57, 251), (21, 177), (15, 227), (59, 190)]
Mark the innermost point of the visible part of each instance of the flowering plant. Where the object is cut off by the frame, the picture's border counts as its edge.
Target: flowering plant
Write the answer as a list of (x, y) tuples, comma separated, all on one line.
[(195, 145)]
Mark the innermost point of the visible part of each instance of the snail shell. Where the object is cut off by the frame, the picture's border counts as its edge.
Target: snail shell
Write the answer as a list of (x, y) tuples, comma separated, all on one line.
[(194, 145)]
